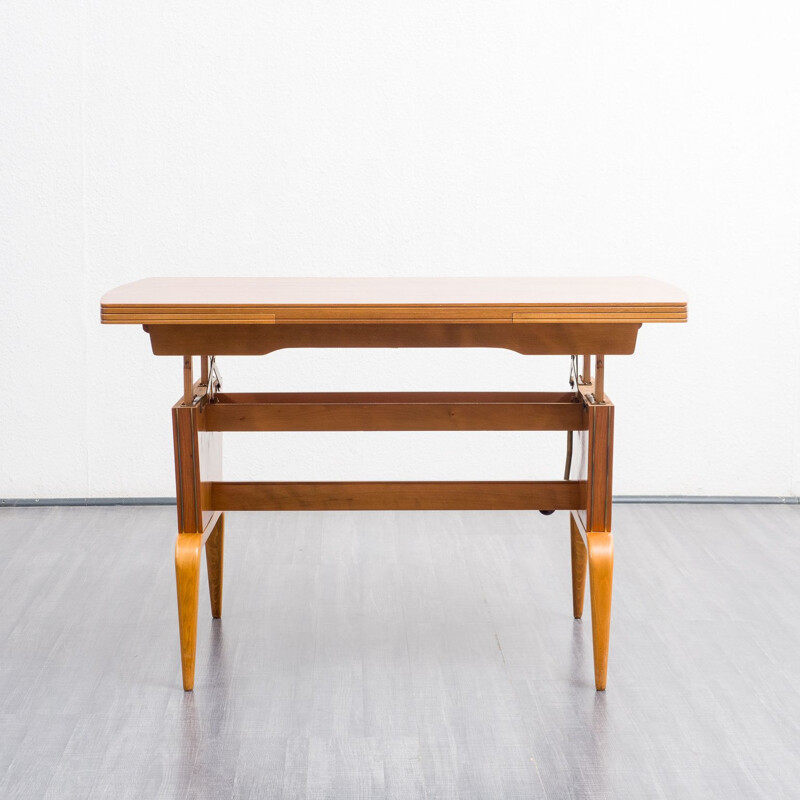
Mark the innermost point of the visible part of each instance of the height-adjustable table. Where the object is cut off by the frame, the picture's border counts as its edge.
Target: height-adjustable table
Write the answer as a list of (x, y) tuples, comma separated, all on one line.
[(586, 318)]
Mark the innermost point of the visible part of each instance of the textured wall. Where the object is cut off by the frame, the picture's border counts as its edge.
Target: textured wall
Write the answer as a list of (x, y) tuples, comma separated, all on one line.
[(383, 138)]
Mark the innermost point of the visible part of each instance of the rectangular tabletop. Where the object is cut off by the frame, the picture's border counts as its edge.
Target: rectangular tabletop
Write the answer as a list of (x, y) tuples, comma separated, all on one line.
[(233, 301)]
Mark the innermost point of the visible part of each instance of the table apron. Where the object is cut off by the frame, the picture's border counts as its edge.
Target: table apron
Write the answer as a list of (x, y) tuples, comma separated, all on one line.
[(528, 338)]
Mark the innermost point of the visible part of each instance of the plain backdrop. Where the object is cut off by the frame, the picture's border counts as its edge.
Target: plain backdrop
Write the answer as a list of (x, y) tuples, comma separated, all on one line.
[(416, 138)]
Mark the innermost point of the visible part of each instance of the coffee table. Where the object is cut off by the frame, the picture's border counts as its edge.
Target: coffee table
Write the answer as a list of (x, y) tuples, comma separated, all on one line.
[(587, 319)]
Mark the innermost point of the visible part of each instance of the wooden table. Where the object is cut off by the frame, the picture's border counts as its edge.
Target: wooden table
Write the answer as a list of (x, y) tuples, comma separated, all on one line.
[(586, 318)]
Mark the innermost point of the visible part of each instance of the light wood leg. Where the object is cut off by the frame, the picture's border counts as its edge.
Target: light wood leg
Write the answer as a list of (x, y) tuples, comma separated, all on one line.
[(578, 549), (198, 459), (595, 528), (215, 547), (187, 574), (601, 572)]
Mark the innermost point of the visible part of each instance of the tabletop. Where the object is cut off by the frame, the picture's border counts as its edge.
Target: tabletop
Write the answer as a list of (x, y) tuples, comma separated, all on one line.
[(193, 301)]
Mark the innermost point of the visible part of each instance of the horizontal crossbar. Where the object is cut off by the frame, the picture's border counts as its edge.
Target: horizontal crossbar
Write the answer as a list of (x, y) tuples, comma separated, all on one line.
[(396, 411), (397, 495)]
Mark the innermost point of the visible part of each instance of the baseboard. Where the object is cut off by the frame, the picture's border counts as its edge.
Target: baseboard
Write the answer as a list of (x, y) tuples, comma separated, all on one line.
[(87, 501), (684, 498), (170, 501)]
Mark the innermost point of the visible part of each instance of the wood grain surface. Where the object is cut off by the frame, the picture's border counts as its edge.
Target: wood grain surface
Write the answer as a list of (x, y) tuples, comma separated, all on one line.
[(544, 338), (394, 495), (192, 301), (394, 411)]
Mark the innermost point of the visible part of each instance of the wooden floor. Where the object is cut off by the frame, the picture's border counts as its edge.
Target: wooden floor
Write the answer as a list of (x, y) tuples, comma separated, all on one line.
[(402, 655)]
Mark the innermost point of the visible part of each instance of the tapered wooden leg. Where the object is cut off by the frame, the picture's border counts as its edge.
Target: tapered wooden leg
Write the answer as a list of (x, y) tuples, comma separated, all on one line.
[(594, 526), (578, 549), (187, 574), (198, 459), (601, 573), (215, 546)]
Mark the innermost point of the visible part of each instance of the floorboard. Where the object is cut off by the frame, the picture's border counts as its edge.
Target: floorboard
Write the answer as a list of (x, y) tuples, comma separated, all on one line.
[(401, 655)]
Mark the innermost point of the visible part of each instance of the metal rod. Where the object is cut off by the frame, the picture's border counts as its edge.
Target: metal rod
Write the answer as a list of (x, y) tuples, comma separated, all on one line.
[(568, 465), (188, 390)]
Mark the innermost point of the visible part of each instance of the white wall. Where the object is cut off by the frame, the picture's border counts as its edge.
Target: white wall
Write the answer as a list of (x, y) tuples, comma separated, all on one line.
[(384, 138)]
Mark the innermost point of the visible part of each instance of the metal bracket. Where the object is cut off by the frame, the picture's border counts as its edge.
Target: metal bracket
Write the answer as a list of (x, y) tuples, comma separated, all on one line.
[(595, 393), (214, 380), (568, 463), (574, 377), (575, 382)]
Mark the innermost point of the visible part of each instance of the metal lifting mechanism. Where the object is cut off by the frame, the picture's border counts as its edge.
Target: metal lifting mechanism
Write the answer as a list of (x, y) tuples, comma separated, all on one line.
[(574, 380), (574, 377), (577, 379), (214, 380), (209, 384), (597, 396)]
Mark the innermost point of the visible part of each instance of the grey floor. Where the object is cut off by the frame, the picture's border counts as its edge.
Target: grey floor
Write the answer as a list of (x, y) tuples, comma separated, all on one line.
[(401, 655)]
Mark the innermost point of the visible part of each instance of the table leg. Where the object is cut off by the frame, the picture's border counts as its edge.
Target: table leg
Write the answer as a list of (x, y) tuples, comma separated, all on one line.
[(590, 534), (198, 457), (187, 577), (215, 545), (578, 552), (601, 572)]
